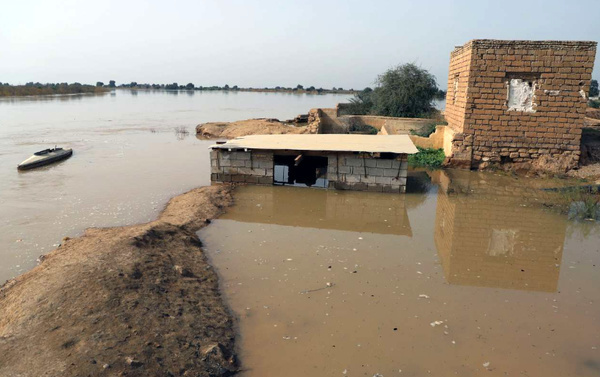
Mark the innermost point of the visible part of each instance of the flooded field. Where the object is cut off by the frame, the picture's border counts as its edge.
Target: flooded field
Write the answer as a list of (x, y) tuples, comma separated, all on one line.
[(468, 275), (128, 159)]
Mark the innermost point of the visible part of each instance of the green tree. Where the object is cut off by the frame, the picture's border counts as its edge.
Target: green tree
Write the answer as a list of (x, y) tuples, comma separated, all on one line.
[(112, 84), (594, 88), (189, 86), (361, 103), (299, 87), (99, 83), (226, 87), (404, 91)]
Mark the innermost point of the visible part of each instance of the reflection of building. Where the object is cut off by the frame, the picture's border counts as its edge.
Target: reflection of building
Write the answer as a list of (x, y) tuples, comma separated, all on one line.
[(487, 238), (324, 209)]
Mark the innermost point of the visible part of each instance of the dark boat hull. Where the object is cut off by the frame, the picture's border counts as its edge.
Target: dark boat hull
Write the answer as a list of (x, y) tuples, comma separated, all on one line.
[(66, 153)]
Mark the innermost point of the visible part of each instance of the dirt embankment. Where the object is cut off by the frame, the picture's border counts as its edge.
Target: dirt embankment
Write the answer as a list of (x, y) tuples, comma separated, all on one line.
[(129, 301), (230, 130)]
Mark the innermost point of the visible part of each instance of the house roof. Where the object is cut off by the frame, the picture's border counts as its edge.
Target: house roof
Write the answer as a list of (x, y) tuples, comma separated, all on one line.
[(400, 144)]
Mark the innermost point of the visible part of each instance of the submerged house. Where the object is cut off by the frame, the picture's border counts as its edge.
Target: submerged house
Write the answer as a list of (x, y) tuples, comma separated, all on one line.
[(345, 162)]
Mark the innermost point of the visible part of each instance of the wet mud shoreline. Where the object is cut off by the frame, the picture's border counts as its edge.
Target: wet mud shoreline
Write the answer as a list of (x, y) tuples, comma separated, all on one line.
[(132, 301)]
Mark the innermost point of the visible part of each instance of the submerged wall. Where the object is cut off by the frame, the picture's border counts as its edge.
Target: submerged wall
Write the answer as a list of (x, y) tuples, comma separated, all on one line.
[(345, 171)]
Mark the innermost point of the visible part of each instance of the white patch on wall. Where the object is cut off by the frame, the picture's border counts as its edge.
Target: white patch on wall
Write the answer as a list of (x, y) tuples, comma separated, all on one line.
[(455, 89), (502, 242), (521, 94)]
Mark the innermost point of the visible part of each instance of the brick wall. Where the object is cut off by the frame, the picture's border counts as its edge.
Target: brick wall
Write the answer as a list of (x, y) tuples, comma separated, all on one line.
[(487, 130)]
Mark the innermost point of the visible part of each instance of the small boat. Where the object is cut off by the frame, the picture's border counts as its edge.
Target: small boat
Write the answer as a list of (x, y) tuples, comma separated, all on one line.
[(45, 157)]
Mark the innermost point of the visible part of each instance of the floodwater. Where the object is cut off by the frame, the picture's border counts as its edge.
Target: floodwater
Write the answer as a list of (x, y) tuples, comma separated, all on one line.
[(467, 275), (128, 160)]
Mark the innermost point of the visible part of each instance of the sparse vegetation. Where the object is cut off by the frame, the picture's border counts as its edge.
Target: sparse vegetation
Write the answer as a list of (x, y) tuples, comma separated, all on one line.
[(580, 203), (363, 129), (594, 103), (33, 89), (425, 131), (427, 157)]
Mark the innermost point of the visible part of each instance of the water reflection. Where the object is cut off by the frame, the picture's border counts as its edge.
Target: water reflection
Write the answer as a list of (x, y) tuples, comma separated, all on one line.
[(490, 238), (323, 209)]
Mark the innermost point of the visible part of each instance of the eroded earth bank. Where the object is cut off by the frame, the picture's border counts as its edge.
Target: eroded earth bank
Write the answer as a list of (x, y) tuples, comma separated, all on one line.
[(132, 301)]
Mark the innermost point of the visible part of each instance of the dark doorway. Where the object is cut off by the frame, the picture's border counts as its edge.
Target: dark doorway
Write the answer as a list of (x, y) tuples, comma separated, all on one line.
[(300, 170)]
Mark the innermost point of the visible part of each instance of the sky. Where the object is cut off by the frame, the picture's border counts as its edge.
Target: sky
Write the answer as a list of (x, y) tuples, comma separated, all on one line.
[(264, 43)]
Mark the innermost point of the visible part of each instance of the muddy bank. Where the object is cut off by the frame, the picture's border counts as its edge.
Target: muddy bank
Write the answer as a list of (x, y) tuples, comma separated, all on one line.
[(133, 301), (230, 130)]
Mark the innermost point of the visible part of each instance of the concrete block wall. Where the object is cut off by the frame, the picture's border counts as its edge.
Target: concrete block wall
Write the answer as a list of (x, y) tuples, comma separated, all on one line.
[(239, 166), (489, 128), (347, 172)]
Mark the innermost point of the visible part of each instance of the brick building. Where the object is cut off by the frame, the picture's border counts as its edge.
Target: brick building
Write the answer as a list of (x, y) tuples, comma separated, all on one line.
[(517, 101)]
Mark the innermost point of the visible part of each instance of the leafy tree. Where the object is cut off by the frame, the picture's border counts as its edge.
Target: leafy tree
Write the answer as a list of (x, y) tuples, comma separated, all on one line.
[(404, 91), (235, 87), (226, 87), (299, 87), (311, 88), (99, 83), (361, 103), (112, 84), (189, 86), (594, 88), (133, 84)]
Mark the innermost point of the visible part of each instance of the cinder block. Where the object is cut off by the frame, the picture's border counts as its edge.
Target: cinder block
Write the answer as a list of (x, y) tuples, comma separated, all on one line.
[(353, 161), (383, 180), (370, 162), (384, 163), (375, 171)]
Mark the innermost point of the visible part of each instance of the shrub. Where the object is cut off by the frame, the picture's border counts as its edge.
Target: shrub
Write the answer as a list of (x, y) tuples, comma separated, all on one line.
[(362, 129), (428, 158), (424, 131), (594, 103)]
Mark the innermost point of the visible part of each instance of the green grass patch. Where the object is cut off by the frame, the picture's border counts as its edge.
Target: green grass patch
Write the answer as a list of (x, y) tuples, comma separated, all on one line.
[(427, 158)]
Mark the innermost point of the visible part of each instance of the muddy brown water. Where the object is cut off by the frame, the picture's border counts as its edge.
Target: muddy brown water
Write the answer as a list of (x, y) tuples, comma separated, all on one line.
[(127, 162), (469, 277)]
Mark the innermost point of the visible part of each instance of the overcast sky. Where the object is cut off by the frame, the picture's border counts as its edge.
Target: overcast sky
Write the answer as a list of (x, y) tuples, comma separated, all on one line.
[(264, 43)]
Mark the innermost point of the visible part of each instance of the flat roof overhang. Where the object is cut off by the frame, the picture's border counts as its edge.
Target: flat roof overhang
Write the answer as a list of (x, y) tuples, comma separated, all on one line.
[(399, 144)]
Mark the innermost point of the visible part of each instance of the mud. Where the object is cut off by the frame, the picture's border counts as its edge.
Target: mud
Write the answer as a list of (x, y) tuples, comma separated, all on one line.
[(132, 301), (230, 130)]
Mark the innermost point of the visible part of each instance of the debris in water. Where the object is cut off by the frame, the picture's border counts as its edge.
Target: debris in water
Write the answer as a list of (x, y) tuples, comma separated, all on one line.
[(436, 323), (423, 296), (360, 238), (486, 364)]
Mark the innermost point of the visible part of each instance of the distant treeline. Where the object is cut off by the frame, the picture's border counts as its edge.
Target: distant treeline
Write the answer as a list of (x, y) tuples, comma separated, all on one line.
[(33, 89), (191, 86)]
